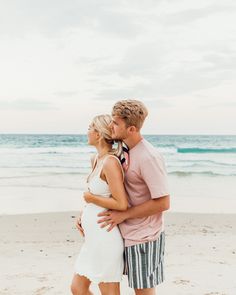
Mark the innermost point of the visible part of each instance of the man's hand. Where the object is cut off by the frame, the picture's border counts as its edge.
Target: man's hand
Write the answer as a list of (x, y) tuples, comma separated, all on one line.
[(111, 218), (79, 226), (88, 197)]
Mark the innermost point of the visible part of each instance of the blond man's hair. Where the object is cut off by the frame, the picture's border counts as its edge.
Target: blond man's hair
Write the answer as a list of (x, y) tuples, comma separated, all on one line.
[(133, 112)]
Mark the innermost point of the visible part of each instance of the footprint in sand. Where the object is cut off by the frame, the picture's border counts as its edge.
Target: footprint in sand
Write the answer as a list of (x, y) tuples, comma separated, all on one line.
[(215, 293), (42, 279), (43, 290), (181, 282)]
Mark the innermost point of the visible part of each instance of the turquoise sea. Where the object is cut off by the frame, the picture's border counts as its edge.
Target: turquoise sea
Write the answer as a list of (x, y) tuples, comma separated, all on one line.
[(61, 162)]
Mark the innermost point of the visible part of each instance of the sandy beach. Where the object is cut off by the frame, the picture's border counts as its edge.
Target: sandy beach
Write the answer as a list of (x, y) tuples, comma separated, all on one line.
[(38, 251)]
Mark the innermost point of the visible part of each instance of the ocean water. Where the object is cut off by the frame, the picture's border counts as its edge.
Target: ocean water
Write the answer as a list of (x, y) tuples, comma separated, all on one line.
[(61, 162)]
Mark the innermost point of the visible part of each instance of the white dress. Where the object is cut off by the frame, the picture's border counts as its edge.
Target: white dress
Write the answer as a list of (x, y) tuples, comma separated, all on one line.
[(101, 255)]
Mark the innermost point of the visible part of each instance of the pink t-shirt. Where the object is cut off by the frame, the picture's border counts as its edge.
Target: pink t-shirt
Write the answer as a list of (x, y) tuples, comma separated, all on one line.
[(145, 179)]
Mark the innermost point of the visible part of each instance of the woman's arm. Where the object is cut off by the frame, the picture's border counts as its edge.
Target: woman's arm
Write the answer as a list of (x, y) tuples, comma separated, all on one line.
[(114, 177)]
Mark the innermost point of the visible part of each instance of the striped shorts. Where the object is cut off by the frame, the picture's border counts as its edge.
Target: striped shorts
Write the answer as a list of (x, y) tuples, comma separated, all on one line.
[(145, 263)]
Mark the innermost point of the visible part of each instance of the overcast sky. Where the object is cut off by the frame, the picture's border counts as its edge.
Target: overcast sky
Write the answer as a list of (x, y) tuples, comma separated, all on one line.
[(64, 61)]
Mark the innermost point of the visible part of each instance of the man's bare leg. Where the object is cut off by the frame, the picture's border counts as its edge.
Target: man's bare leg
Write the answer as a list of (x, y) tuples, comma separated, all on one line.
[(148, 291)]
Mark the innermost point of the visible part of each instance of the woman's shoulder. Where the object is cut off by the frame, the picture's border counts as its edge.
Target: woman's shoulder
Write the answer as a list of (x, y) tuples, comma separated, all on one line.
[(112, 166), (111, 161)]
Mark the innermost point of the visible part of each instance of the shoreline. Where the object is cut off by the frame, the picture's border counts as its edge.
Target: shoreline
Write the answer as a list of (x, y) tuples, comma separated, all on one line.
[(18, 201), (38, 252), (196, 194)]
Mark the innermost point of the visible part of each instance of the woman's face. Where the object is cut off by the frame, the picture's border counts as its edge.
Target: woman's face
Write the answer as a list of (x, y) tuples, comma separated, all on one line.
[(92, 135)]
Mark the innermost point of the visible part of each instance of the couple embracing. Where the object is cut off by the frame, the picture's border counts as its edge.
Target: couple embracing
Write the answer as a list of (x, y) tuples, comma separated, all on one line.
[(126, 196)]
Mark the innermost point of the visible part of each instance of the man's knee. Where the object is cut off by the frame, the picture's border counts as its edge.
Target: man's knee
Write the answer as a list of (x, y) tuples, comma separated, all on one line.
[(148, 291)]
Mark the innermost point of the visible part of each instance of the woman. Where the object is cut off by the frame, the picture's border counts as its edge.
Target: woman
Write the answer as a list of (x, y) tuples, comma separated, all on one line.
[(101, 257)]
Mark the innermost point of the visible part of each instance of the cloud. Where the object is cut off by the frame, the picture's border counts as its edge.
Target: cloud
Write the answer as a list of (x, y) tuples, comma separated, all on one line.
[(65, 94), (191, 15), (142, 91), (152, 73), (226, 104), (221, 61), (165, 52), (27, 104), (54, 17), (122, 19)]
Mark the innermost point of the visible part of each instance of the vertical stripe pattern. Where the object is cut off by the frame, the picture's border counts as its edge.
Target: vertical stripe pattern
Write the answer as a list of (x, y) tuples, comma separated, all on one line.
[(145, 263)]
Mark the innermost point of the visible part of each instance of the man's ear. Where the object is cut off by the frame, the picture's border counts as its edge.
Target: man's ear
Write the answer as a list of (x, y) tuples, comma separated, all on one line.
[(132, 129)]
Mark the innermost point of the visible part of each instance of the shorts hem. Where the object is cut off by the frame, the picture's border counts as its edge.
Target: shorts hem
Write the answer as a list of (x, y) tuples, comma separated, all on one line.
[(147, 287)]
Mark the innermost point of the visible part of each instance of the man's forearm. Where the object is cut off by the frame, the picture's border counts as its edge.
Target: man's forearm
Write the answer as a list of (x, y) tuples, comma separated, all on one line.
[(148, 208)]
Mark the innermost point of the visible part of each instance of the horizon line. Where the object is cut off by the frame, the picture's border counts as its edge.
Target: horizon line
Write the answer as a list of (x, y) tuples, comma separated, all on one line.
[(149, 134)]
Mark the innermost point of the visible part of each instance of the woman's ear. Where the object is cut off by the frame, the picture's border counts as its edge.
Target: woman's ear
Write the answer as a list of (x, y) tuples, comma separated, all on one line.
[(98, 136)]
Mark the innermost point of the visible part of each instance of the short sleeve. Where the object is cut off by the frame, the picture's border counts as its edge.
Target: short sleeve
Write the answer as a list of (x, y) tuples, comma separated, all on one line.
[(154, 174)]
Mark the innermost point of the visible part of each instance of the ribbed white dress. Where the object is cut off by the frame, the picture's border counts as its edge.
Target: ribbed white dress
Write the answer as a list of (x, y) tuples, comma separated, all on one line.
[(101, 255)]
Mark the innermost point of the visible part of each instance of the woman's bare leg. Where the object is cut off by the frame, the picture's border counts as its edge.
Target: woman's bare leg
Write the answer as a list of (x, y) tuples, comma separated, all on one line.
[(80, 285), (109, 288)]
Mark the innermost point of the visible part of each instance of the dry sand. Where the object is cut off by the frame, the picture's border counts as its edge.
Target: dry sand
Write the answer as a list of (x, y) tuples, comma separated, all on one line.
[(38, 251)]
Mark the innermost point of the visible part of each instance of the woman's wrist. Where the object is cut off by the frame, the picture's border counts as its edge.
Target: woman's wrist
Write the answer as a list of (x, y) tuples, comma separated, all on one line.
[(88, 197), (91, 197)]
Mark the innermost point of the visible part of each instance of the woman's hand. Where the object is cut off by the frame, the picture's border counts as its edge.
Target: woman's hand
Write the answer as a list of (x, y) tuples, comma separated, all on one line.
[(88, 197), (79, 226)]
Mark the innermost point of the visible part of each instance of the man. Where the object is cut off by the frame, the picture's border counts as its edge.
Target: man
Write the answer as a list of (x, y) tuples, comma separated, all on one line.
[(146, 183)]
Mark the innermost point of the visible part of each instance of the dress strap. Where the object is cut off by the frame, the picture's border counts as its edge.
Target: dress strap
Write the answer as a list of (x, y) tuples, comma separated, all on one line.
[(94, 167), (95, 161)]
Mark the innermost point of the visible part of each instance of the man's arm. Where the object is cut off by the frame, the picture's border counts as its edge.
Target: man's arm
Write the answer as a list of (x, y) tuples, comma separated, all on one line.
[(148, 208)]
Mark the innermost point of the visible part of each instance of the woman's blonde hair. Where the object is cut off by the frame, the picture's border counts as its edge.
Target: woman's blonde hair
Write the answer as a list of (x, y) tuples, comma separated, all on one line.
[(101, 124)]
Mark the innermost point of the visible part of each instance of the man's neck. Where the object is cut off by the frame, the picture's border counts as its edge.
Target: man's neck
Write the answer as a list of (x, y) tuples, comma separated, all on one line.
[(133, 141)]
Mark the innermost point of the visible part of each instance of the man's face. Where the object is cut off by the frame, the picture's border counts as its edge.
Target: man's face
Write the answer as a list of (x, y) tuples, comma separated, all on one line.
[(119, 129)]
